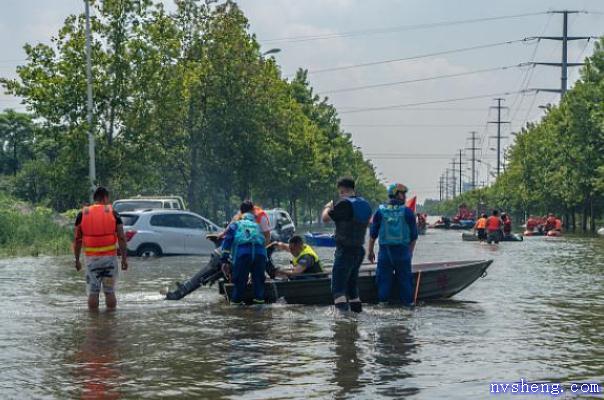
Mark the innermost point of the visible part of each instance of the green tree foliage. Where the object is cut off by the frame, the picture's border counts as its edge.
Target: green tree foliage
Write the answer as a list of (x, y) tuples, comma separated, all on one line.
[(557, 164), (185, 103)]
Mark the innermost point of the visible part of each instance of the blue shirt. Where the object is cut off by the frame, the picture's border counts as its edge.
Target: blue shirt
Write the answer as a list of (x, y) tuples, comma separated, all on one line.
[(227, 245), (374, 230)]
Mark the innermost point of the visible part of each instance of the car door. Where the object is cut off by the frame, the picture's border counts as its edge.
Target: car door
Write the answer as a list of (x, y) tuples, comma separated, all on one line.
[(170, 233), (196, 231)]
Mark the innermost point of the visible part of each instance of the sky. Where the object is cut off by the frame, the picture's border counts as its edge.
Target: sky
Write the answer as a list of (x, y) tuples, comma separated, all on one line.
[(410, 130)]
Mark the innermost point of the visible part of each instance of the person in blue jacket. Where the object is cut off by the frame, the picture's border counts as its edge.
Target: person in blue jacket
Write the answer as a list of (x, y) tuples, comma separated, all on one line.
[(395, 226), (351, 215), (244, 248)]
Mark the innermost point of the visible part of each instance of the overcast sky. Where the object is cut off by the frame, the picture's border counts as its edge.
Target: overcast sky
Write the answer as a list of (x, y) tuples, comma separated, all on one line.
[(412, 145)]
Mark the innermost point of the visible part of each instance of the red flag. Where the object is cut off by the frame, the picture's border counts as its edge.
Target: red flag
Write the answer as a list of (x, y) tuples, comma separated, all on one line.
[(412, 203)]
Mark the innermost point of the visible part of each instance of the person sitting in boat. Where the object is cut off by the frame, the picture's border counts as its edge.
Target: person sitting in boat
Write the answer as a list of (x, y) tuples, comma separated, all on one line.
[(550, 222), (531, 224), (243, 252), (507, 224), (494, 226), (480, 228), (305, 260), (394, 225), (421, 221)]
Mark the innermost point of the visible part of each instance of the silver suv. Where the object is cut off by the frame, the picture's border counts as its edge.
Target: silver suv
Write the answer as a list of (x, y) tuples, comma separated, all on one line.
[(167, 232)]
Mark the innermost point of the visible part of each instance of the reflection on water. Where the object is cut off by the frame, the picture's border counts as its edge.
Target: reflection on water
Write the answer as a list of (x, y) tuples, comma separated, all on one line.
[(537, 315), (97, 359), (348, 365)]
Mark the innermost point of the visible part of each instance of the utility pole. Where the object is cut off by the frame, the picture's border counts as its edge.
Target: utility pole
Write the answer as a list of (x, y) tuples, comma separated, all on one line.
[(473, 149), (440, 188), (457, 167), (447, 184), (453, 178), (91, 155), (499, 122), (564, 64)]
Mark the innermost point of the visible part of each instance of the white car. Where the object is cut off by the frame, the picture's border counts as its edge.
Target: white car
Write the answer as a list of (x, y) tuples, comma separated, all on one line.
[(167, 232), (282, 225), (149, 202)]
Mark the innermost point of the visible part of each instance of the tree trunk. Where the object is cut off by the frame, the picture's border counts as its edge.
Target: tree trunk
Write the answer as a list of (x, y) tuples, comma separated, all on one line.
[(573, 221), (592, 216), (584, 217)]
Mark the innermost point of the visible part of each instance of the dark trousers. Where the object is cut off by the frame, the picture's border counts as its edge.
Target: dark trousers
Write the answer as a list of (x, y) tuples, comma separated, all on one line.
[(394, 262), (345, 273), (244, 265)]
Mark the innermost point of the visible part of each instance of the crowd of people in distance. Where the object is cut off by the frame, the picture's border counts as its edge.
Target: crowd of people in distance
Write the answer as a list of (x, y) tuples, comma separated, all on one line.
[(543, 225)]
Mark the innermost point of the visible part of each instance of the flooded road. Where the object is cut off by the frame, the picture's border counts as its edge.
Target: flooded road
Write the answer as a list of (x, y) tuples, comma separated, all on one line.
[(538, 315)]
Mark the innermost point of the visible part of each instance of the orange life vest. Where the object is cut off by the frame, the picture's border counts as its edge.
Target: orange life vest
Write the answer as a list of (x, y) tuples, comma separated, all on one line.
[(558, 224), (259, 213), (98, 231), (493, 223), (481, 223)]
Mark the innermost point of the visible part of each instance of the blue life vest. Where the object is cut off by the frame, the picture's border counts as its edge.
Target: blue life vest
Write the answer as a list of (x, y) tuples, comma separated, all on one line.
[(394, 229), (352, 232), (248, 233)]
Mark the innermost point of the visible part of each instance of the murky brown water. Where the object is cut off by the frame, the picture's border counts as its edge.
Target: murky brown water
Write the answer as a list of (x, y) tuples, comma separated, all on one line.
[(538, 315)]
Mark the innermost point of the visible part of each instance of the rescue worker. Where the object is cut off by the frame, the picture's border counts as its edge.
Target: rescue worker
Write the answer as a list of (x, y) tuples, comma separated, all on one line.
[(558, 225), (351, 215), (261, 219), (494, 225), (99, 230), (244, 252), (550, 222), (305, 260), (507, 224), (480, 228), (394, 225)]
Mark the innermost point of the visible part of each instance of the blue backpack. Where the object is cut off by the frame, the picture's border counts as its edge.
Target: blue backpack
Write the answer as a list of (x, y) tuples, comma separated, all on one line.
[(394, 229), (248, 232)]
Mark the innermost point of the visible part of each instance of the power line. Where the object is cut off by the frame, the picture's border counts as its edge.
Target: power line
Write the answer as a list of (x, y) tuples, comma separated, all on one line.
[(431, 78), (411, 125), (396, 106), (417, 57), (394, 29)]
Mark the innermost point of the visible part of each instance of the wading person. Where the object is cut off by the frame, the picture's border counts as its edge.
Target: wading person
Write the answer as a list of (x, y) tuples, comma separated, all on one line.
[(305, 260), (394, 225), (480, 227), (351, 215), (243, 249), (99, 230), (494, 225)]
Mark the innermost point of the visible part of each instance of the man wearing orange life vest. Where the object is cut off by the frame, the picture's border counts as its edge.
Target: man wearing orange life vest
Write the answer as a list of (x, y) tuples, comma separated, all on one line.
[(494, 225), (99, 230)]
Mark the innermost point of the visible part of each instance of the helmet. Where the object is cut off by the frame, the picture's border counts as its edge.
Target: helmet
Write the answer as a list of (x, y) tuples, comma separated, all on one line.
[(396, 188)]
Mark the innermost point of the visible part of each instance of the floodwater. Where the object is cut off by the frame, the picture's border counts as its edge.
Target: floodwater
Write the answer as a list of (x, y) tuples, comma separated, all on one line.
[(538, 315)]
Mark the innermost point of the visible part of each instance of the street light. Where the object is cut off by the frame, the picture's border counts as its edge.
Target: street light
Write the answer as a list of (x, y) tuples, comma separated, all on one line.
[(271, 51)]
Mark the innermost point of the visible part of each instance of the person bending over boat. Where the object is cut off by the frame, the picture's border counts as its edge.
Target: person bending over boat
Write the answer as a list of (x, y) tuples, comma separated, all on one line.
[(351, 215), (494, 225), (394, 225), (261, 219), (480, 228), (305, 260), (243, 252)]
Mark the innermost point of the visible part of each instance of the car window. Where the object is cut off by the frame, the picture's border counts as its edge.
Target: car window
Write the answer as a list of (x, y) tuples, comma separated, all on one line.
[(193, 222), (129, 219), (167, 204), (283, 219), (136, 205), (167, 220), (175, 205)]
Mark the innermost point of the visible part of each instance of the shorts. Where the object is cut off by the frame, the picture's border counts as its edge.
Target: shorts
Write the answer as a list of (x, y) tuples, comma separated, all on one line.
[(101, 273)]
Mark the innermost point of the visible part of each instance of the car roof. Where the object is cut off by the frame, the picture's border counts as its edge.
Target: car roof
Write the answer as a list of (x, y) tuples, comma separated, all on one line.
[(158, 211)]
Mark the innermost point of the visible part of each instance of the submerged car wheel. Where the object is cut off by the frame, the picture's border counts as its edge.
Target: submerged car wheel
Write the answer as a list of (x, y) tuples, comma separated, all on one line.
[(149, 250)]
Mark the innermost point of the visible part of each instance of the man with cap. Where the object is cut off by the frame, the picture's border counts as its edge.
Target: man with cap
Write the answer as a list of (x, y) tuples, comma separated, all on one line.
[(395, 226)]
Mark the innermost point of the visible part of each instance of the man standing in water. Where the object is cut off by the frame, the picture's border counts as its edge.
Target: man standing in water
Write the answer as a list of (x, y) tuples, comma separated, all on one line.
[(351, 215), (394, 224), (98, 229)]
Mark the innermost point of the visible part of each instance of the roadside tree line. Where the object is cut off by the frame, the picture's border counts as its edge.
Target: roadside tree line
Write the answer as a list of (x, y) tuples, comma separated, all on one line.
[(186, 104), (557, 164)]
